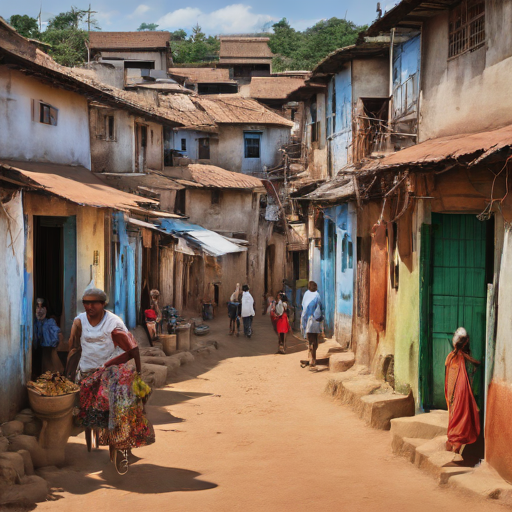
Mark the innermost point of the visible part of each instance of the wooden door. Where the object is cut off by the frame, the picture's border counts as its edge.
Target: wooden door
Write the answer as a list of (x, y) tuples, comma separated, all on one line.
[(458, 294)]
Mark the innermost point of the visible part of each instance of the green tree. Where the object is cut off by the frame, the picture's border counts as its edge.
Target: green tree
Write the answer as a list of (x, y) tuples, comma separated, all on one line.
[(67, 40), (303, 50), (147, 26), (195, 49), (25, 25), (178, 35)]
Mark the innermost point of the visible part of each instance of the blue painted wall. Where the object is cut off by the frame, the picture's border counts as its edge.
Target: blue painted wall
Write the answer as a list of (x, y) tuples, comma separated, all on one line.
[(339, 126), (124, 274), (406, 77), (338, 262)]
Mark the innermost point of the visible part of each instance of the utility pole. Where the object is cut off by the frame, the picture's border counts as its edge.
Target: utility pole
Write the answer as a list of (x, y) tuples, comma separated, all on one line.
[(89, 12)]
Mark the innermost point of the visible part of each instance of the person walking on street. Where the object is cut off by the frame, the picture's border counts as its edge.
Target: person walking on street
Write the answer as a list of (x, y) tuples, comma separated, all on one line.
[(311, 320), (234, 310), (111, 392), (282, 322), (247, 310)]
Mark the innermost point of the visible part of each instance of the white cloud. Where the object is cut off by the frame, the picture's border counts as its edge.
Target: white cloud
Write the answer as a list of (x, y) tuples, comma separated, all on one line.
[(232, 19), (139, 11), (104, 18)]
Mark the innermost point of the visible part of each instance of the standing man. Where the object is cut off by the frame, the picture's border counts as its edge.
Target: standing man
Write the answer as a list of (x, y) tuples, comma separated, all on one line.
[(247, 310), (234, 311), (109, 402), (311, 320)]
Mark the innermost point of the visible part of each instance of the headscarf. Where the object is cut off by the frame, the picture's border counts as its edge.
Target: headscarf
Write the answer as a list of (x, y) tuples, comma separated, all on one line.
[(459, 334)]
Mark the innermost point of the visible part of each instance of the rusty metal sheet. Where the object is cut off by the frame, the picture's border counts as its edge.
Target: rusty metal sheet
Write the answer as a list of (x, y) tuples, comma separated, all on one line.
[(74, 183), (478, 145)]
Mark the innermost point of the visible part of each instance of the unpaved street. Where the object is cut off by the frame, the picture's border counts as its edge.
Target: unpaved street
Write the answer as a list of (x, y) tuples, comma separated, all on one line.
[(246, 429)]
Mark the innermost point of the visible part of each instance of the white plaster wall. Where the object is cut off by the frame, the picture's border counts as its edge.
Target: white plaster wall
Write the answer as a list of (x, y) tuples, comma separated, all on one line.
[(192, 137), (471, 92), (22, 138), (119, 155), (231, 147)]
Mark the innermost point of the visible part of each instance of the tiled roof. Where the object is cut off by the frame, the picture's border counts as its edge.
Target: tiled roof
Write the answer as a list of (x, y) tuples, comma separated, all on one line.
[(185, 108), (274, 87), (128, 40), (233, 109), (235, 48), (201, 75), (212, 176)]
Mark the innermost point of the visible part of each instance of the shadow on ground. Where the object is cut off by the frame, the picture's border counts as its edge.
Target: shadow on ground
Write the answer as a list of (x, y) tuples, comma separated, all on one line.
[(89, 472)]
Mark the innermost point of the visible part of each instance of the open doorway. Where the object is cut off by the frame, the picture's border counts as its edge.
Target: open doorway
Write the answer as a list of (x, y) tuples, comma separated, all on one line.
[(269, 269), (55, 274)]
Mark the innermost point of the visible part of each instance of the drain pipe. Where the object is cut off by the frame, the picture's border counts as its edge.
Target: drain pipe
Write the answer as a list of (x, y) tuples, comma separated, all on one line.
[(390, 107)]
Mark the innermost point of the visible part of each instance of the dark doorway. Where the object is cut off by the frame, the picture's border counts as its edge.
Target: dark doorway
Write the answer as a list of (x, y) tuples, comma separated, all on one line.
[(55, 272)]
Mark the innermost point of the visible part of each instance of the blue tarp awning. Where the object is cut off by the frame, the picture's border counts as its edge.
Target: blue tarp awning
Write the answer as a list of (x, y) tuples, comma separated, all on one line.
[(209, 241)]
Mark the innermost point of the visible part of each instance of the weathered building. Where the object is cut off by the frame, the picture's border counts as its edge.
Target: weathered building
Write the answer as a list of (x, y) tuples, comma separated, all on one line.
[(60, 214), (205, 80), (128, 58), (245, 57)]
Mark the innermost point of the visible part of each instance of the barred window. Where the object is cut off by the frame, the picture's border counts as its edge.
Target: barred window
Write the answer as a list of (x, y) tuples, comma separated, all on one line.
[(467, 27)]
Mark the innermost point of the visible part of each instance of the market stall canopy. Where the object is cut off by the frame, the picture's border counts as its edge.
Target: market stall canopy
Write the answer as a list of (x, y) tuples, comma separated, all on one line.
[(210, 242), (74, 183)]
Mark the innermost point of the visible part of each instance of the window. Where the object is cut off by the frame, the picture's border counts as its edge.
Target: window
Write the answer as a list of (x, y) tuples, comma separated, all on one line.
[(215, 196), (47, 114), (204, 149), (109, 128), (252, 144), (467, 27), (183, 144), (315, 132)]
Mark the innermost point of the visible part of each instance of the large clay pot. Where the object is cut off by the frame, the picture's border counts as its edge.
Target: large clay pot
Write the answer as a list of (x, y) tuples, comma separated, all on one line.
[(168, 342), (56, 413)]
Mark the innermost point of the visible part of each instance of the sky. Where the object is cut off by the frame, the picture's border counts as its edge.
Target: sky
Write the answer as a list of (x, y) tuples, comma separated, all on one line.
[(214, 16)]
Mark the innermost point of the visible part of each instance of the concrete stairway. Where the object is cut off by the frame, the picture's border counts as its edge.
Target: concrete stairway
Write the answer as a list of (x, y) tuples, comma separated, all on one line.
[(374, 401)]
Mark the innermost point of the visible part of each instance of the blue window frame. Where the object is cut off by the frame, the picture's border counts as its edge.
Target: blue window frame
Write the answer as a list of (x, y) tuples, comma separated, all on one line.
[(252, 145)]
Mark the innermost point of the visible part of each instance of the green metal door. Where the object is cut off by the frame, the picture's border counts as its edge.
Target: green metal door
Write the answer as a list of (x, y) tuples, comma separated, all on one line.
[(458, 294)]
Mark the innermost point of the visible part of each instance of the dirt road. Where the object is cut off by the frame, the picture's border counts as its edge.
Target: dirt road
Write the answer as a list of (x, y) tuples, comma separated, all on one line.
[(249, 430)]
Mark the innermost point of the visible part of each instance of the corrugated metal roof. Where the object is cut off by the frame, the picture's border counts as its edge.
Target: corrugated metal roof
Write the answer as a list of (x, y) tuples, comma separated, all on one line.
[(473, 147), (213, 176), (74, 183), (233, 109), (129, 40), (210, 242), (274, 87)]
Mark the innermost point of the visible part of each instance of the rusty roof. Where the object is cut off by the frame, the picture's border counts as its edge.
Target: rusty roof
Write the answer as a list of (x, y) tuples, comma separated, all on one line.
[(274, 87), (186, 108), (216, 177), (469, 148), (243, 49), (202, 75), (129, 40), (24, 55), (233, 109), (74, 183)]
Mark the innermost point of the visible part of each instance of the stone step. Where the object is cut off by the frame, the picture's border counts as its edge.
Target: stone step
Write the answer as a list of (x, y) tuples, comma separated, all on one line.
[(380, 409), (372, 399), (423, 426), (485, 482), (341, 362), (406, 446)]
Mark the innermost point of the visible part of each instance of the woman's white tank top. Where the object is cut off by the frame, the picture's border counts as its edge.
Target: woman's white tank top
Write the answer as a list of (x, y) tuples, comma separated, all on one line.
[(97, 344)]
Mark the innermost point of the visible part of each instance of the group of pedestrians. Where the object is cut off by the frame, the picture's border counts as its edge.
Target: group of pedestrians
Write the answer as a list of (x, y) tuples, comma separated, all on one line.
[(241, 306)]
